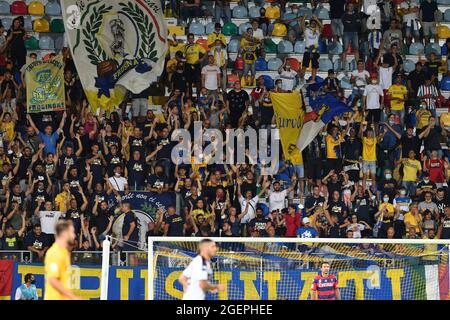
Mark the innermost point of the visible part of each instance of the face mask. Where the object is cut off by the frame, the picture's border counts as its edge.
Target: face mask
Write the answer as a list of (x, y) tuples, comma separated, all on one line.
[(403, 192), (117, 174), (279, 86), (426, 180), (374, 81), (218, 47), (40, 189), (385, 199), (391, 122), (388, 176), (295, 11)]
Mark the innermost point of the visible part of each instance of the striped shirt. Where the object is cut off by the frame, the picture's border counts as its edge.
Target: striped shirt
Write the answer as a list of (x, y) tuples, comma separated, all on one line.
[(325, 287), (428, 90)]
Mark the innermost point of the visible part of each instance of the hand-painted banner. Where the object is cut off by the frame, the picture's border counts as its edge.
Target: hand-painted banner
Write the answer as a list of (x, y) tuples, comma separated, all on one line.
[(45, 85), (144, 205), (418, 282), (116, 45)]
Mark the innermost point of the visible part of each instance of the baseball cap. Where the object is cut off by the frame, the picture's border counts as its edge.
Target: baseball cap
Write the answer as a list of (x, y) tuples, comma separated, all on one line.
[(306, 220)]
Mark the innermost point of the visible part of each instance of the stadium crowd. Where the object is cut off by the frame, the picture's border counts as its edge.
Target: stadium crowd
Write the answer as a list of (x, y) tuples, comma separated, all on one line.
[(379, 171)]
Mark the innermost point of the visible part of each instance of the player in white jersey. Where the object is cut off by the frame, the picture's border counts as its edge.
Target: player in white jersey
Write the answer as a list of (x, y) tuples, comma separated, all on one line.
[(195, 277)]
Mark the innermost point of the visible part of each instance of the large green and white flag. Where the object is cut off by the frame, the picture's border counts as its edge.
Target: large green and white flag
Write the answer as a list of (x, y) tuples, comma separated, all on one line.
[(116, 45)]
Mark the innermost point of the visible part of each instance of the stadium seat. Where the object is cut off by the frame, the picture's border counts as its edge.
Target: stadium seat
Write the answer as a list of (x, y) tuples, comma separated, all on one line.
[(433, 47), (210, 28), (7, 23), (327, 32), (444, 2), (285, 46), (32, 43), (59, 42), (404, 50), (325, 64), (203, 43), (230, 29), (57, 26), (295, 64), (279, 30), (243, 27), (322, 49), (41, 25), (177, 30), (300, 47), (270, 46), (335, 48), (352, 65), (337, 64), (239, 63), (318, 79), (416, 48), (233, 45), (36, 8), (345, 83), (46, 43), (447, 15), (4, 8), (274, 64), (445, 83), (323, 14), (261, 64), (305, 12), (273, 12), (408, 66), (52, 8), (19, 7), (240, 12), (443, 32), (254, 12), (197, 28), (28, 23), (268, 82)]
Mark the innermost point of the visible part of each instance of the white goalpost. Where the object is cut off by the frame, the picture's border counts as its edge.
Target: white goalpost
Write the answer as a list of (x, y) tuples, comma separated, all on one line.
[(283, 268)]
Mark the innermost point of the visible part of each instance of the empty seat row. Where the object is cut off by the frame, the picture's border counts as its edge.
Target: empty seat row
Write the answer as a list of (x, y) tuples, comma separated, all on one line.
[(35, 8), (45, 42), (37, 25)]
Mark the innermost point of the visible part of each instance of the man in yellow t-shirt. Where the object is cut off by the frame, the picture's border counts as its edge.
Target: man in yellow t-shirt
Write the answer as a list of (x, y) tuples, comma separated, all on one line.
[(423, 119), (195, 54), (413, 218), (57, 264), (445, 121), (216, 35), (333, 144), (369, 153), (398, 94), (411, 169), (62, 199), (248, 51)]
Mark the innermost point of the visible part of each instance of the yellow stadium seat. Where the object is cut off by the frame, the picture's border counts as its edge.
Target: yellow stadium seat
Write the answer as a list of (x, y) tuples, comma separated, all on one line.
[(279, 30), (273, 12), (36, 8), (177, 30), (41, 25), (443, 32)]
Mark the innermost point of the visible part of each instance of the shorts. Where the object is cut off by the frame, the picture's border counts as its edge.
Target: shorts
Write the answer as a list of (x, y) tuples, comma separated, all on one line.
[(299, 169), (312, 57), (193, 72), (351, 37), (373, 115), (429, 27), (337, 27), (369, 166), (411, 32), (139, 107), (251, 68)]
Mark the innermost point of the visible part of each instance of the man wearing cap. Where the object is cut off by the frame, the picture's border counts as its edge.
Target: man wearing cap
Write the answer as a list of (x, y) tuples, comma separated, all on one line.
[(216, 35), (307, 231), (27, 291)]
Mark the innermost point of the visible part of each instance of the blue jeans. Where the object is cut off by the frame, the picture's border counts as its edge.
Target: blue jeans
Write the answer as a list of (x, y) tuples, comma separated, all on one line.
[(222, 12), (190, 12), (351, 37), (410, 187)]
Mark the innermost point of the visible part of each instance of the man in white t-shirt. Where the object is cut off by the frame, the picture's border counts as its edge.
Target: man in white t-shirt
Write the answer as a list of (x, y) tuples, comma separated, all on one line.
[(248, 204), (385, 71), (277, 197), (211, 75), (372, 101), (117, 182), (410, 10), (288, 76), (195, 278), (48, 218), (359, 77)]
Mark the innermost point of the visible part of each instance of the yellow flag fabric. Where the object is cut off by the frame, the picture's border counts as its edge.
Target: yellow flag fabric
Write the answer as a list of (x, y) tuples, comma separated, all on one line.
[(289, 113), (45, 85)]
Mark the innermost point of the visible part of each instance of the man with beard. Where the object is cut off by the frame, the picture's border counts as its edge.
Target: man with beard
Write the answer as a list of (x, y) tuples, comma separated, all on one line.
[(57, 264)]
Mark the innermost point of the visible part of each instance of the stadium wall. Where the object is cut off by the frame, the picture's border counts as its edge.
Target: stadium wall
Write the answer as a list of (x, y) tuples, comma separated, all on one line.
[(129, 283)]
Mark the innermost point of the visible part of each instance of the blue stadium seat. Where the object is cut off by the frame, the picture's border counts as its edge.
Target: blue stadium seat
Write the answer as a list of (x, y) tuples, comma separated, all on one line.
[(445, 83), (210, 28), (447, 15), (285, 46), (254, 12), (52, 8), (408, 66), (345, 83), (335, 48), (240, 12), (197, 29), (352, 65), (28, 23), (322, 49), (300, 47), (7, 23), (268, 82), (261, 64), (46, 42), (304, 11), (243, 27), (416, 48), (433, 47), (4, 8), (274, 64), (233, 45), (444, 2), (59, 42), (323, 14), (325, 64), (337, 64)]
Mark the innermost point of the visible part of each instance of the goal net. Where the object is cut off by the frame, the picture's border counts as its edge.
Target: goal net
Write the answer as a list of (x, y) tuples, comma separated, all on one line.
[(283, 269)]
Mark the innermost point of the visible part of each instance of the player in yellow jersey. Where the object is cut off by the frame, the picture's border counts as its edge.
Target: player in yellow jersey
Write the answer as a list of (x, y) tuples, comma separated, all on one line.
[(369, 153), (57, 264)]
